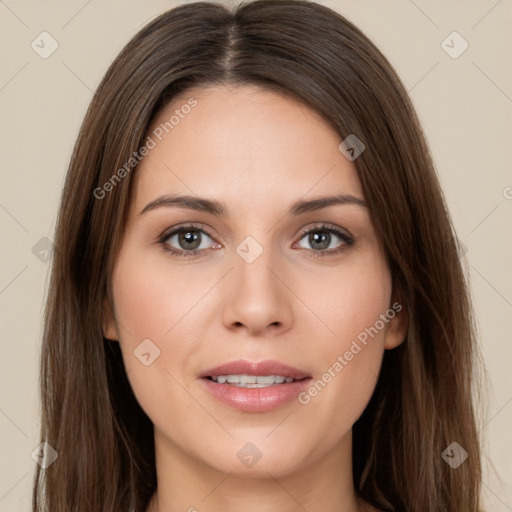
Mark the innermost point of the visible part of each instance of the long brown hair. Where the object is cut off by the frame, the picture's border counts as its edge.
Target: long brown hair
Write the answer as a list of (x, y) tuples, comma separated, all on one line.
[(423, 400)]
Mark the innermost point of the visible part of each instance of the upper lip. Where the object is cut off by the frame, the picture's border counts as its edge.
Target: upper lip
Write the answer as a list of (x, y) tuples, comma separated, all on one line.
[(244, 367)]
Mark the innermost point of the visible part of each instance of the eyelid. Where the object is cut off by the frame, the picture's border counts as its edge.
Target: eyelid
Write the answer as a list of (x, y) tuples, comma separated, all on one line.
[(327, 226), (188, 225)]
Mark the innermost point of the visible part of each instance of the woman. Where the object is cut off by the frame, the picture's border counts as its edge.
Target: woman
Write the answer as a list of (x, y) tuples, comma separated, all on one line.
[(256, 301)]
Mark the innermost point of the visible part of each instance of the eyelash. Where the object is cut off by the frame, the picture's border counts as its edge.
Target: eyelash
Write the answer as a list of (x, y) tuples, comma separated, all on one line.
[(347, 240)]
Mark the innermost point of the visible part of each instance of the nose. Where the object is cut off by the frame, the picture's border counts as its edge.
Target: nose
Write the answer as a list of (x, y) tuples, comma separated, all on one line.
[(258, 299)]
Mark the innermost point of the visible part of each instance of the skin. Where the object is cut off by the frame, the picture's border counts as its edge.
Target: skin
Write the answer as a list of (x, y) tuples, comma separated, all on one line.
[(258, 152)]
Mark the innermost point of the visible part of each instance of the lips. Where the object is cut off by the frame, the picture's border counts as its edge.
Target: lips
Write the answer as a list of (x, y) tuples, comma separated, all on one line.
[(254, 387), (263, 368)]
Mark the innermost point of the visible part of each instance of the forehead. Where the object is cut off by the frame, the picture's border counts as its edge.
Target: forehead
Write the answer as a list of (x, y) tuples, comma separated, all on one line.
[(244, 145)]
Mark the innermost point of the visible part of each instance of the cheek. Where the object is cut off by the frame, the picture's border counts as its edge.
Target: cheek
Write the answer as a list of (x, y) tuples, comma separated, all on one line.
[(150, 307), (351, 300), (349, 352), (149, 299)]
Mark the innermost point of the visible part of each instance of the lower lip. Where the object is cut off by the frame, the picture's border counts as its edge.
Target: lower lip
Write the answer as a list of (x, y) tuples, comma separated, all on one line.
[(256, 399)]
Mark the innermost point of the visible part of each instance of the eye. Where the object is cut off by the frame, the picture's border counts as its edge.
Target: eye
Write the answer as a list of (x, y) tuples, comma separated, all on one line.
[(189, 240), (320, 239), (185, 241)]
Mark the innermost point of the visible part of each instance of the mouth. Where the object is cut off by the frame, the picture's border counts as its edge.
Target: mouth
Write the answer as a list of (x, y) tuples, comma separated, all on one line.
[(254, 386)]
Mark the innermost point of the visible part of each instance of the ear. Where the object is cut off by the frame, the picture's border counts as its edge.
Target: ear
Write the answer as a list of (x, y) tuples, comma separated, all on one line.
[(397, 326), (110, 331)]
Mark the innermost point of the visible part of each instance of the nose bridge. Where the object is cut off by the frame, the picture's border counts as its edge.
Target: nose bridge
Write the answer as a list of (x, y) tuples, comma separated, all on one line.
[(257, 298), (253, 266)]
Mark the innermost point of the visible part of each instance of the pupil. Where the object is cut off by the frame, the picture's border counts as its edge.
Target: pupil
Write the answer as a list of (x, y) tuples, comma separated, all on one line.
[(320, 239), (188, 238)]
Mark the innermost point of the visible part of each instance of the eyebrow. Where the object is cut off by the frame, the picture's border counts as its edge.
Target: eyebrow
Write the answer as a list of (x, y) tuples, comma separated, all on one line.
[(220, 210)]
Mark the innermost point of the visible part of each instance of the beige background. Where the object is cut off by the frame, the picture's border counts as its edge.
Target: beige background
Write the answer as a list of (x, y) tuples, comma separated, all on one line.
[(465, 105)]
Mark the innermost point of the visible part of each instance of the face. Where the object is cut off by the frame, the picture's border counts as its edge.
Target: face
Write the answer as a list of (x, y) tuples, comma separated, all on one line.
[(300, 291)]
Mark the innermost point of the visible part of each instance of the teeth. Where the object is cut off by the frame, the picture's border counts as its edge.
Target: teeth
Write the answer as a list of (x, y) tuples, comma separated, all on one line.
[(268, 379), (252, 381)]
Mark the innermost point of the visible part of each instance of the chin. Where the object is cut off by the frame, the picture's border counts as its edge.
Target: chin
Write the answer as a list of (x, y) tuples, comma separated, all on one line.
[(256, 460)]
